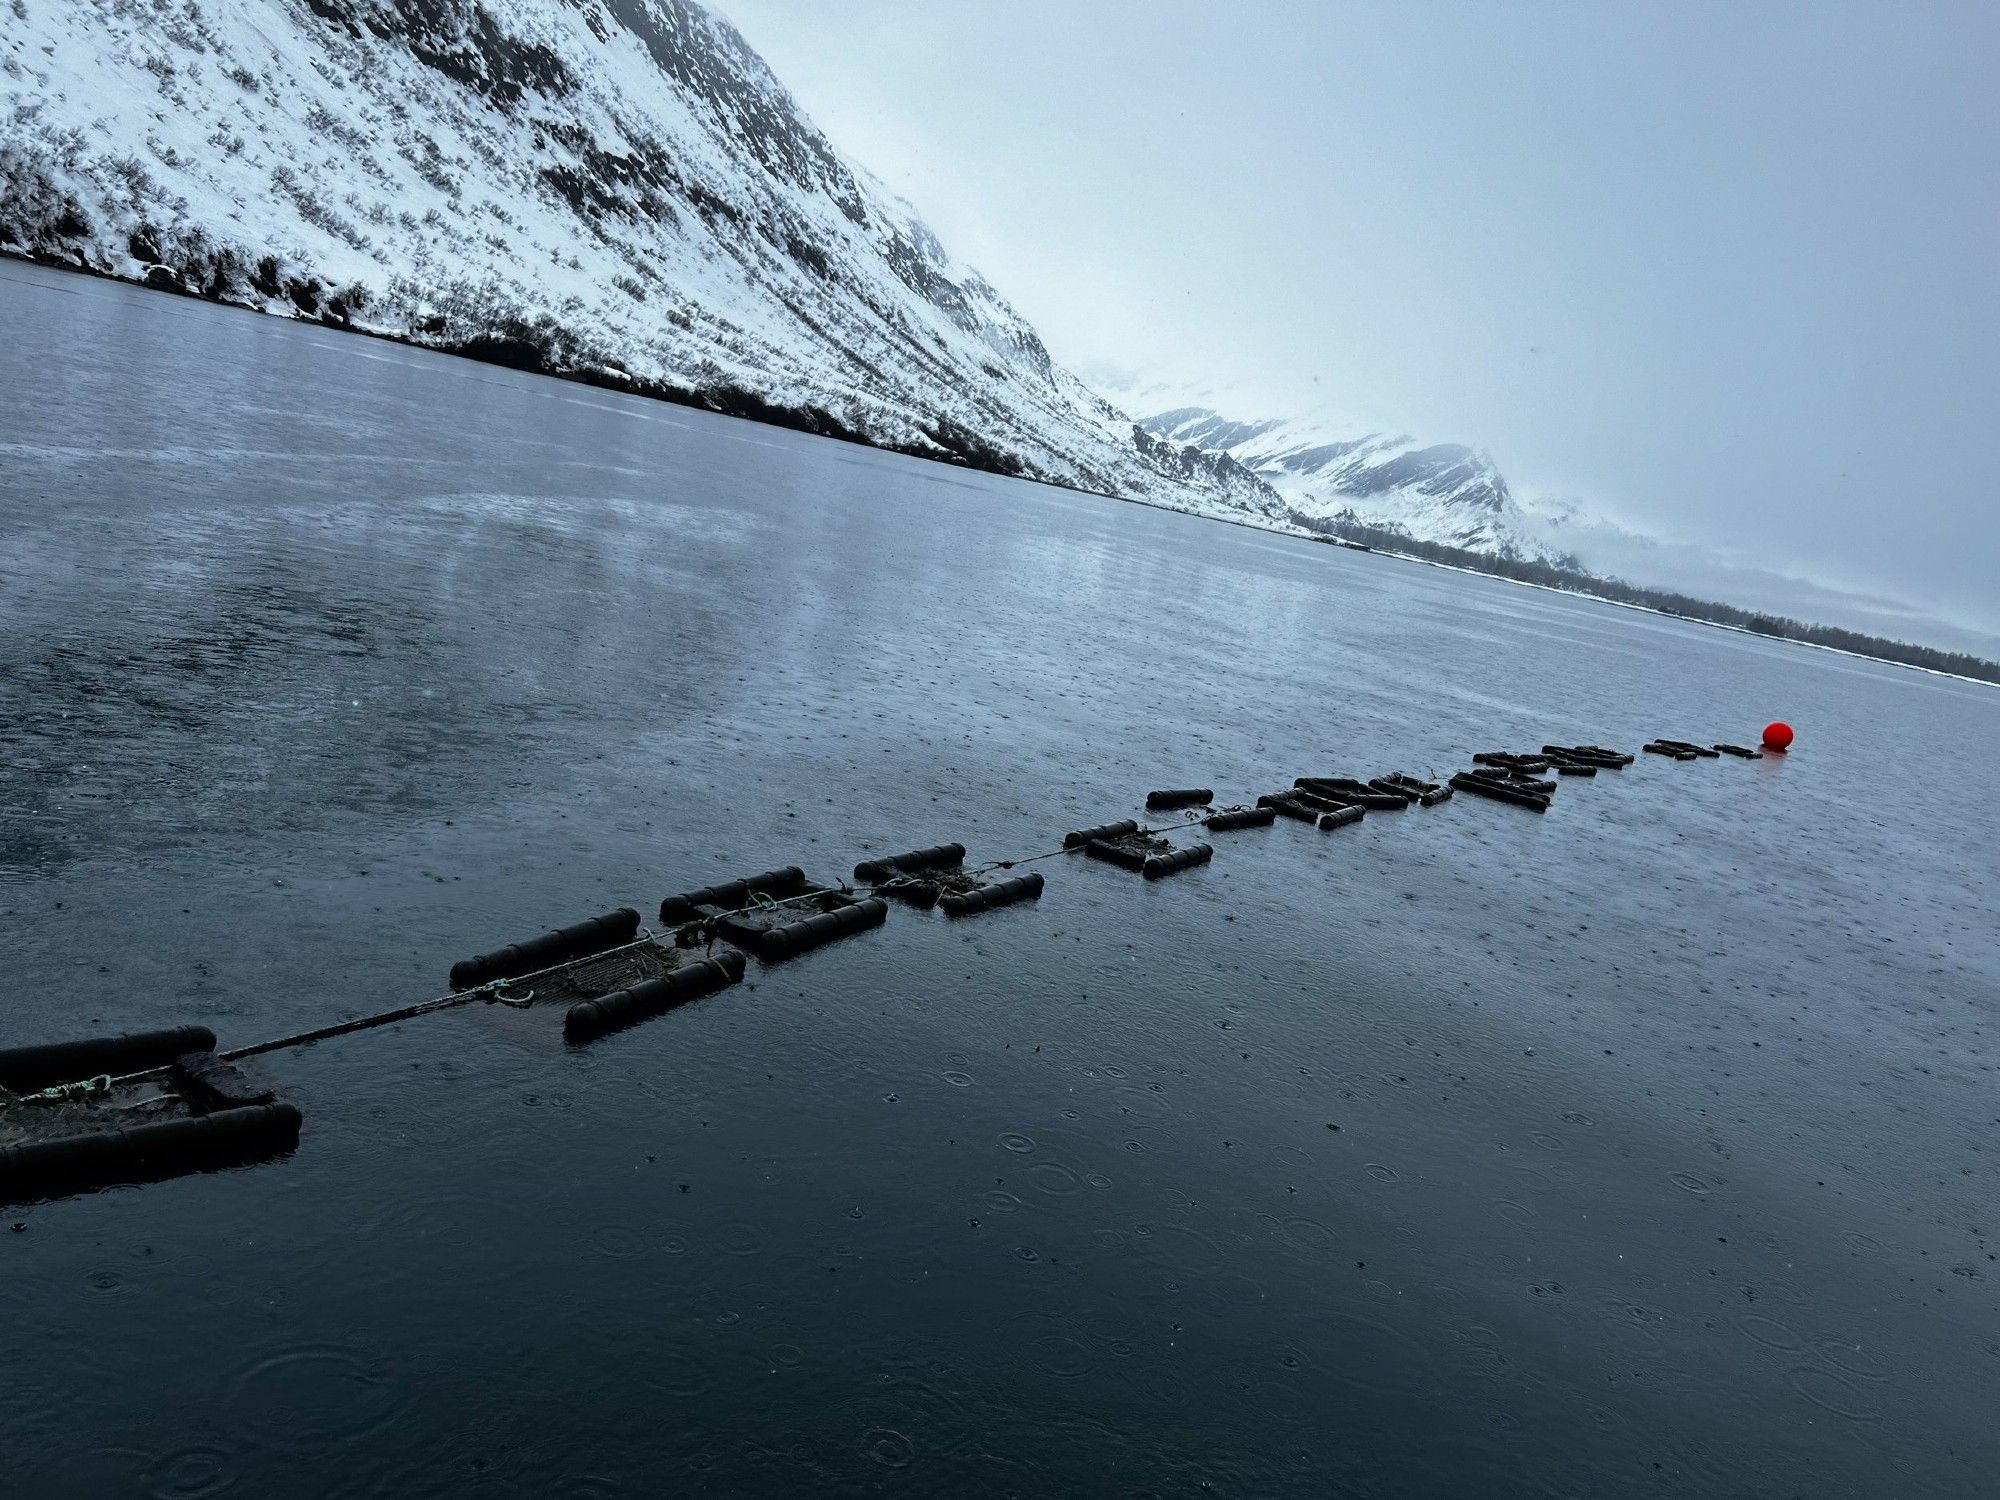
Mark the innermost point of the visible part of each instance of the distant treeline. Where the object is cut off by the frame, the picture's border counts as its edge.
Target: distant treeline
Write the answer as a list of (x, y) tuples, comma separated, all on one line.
[(1576, 581)]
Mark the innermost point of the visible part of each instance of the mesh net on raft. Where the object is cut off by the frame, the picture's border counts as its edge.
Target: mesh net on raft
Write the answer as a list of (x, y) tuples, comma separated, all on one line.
[(83, 1108), (950, 881), (592, 978)]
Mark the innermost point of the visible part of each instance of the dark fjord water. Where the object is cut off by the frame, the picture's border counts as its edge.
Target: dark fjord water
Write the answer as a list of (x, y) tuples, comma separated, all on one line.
[(1667, 1123)]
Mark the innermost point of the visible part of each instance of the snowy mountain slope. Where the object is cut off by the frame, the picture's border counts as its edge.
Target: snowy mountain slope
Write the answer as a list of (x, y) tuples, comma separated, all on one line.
[(618, 189), (1439, 492)]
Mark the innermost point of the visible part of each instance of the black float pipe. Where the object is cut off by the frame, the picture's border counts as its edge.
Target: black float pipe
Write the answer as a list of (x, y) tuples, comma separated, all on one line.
[(1499, 791), (1242, 817), (775, 944), (732, 895), (1347, 792), (1193, 796), (1293, 805), (144, 1152), (937, 857), (1084, 836), (1176, 860), (25, 1069), (1511, 762), (986, 897), (1324, 802), (1520, 781), (578, 940), (589, 1019), (1594, 755), (1425, 793)]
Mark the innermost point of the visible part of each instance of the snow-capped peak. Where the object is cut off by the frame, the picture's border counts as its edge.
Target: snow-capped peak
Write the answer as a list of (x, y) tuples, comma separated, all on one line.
[(1437, 492)]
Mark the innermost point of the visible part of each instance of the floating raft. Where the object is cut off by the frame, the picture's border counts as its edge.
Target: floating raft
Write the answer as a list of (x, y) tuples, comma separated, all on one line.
[(1507, 761), (1346, 791), (979, 898), (223, 1114), (1673, 752), (892, 867), (1128, 852), (1691, 748), (1501, 789), (927, 878), (1147, 854), (1083, 836), (1325, 803), (1291, 805), (843, 916), (1425, 793), (148, 1153), (1520, 771), (1520, 781), (776, 915), (1567, 767), (712, 900), (1590, 755), (579, 940), (1233, 818), (1306, 808), (1176, 860), (589, 1019), (1743, 752)]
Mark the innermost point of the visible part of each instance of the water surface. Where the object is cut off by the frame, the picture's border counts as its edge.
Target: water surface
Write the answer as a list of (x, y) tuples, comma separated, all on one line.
[(1645, 1148)]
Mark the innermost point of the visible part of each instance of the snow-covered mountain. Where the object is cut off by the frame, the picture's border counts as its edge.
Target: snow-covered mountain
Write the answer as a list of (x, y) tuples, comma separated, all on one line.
[(617, 189), (1440, 492)]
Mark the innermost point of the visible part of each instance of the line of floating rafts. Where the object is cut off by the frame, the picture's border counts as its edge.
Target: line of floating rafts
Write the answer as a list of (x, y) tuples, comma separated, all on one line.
[(162, 1103)]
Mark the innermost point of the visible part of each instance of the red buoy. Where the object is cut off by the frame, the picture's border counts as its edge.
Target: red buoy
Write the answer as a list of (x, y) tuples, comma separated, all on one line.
[(1778, 736)]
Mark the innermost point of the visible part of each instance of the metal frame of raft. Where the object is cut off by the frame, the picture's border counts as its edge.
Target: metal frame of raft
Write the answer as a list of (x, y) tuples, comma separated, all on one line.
[(777, 915)]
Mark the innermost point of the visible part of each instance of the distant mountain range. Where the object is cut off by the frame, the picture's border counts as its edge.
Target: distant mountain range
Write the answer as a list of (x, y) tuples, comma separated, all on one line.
[(1439, 492)]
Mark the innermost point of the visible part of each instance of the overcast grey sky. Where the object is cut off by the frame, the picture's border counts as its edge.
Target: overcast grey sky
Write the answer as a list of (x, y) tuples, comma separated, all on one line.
[(1726, 270)]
